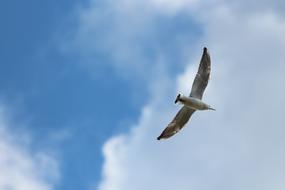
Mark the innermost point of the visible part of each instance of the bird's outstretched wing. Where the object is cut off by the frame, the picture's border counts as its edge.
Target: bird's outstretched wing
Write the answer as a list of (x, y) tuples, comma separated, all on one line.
[(202, 76), (198, 88), (181, 118)]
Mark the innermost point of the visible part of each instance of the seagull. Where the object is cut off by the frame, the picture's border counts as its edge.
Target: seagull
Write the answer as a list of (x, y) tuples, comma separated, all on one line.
[(194, 101)]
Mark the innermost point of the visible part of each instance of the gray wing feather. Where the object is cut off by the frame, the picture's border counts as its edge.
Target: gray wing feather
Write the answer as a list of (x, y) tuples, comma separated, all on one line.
[(202, 76), (178, 122)]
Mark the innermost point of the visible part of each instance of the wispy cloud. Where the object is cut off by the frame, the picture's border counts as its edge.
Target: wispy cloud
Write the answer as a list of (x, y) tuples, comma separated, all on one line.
[(133, 37), (20, 167), (237, 147)]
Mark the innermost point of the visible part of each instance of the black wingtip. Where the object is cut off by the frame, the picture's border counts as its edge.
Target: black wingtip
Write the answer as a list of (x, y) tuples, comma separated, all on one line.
[(159, 137)]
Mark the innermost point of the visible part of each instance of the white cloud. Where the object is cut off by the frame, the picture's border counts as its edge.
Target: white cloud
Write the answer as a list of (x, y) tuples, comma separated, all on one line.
[(130, 37), (21, 168), (240, 146), (172, 7)]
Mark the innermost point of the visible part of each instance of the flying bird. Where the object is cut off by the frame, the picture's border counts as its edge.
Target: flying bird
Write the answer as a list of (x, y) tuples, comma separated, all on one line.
[(194, 101)]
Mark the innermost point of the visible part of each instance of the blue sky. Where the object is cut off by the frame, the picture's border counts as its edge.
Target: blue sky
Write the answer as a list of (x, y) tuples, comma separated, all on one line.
[(86, 87), (52, 92)]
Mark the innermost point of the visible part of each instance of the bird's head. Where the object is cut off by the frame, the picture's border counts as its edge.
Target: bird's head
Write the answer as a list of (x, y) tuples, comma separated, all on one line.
[(177, 98)]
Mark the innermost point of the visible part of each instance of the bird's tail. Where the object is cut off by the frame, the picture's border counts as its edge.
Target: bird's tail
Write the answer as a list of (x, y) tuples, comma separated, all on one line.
[(210, 108)]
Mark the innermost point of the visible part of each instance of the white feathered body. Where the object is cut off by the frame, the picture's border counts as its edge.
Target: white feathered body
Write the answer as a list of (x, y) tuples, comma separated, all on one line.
[(193, 103)]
